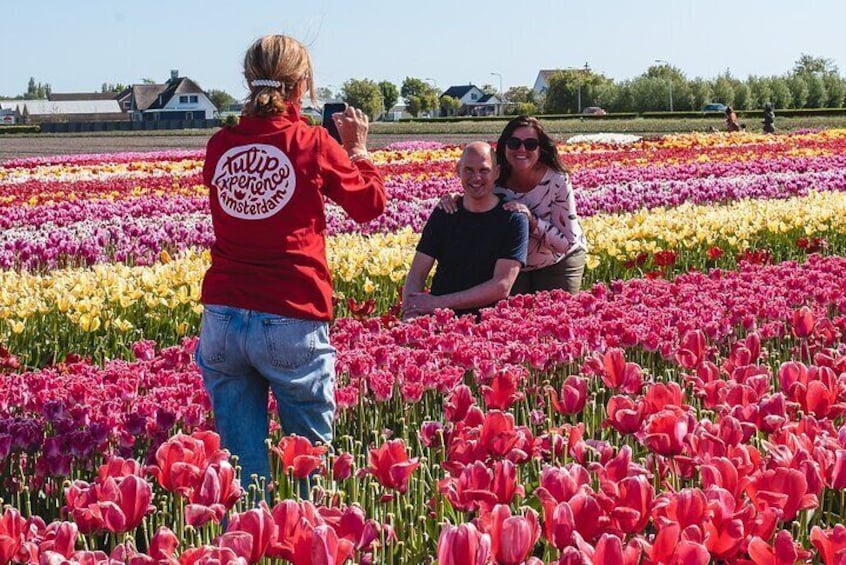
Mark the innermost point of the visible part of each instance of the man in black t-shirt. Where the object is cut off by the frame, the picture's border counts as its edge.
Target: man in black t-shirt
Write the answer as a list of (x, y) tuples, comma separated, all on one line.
[(479, 249)]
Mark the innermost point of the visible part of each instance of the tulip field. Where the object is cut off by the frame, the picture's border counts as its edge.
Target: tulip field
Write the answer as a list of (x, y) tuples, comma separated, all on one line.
[(686, 407)]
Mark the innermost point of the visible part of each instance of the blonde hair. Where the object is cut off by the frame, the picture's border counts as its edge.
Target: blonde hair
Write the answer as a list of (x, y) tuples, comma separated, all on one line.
[(275, 58)]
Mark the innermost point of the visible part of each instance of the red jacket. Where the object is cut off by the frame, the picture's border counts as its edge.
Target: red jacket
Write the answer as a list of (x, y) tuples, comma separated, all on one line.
[(267, 178)]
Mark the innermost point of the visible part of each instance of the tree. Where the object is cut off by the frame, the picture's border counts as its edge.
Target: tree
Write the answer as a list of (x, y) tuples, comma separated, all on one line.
[(413, 105), (450, 105), (836, 89), (323, 93), (426, 96), (521, 95), (782, 97), (36, 90), (809, 65), (701, 92), (364, 94), (390, 94), (490, 90), (110, 87), (798, 90), (221, 99)]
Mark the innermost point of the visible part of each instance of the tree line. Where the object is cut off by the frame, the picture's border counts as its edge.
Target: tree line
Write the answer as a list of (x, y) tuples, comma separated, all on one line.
[(813, 82)]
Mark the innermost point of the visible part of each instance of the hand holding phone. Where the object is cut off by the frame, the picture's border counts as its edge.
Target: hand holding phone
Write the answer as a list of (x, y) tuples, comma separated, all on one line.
[(329, 109)]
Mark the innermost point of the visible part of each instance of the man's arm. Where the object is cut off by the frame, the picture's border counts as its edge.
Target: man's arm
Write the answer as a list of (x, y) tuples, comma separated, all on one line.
[(488, 292), (421, 265)]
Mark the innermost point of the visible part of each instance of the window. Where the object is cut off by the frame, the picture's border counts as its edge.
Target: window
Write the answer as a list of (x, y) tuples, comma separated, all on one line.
[(189, 115), (193, 99), (474, 96), (183, 99)]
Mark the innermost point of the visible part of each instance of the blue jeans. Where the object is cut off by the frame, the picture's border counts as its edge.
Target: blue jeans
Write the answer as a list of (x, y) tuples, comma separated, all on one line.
[(244, 353)]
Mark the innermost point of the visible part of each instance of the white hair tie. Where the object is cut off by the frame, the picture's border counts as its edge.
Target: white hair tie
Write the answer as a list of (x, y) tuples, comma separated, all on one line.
[(265, 82)]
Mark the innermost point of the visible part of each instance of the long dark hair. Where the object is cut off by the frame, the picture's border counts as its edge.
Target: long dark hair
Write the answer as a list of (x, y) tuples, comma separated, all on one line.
[(548, 151)]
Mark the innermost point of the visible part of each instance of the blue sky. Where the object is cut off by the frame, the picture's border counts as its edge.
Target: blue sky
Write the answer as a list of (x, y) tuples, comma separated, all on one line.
[(77, 45)]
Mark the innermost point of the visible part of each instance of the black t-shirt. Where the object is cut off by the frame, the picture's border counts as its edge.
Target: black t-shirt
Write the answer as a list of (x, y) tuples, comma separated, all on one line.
[(467, 245)]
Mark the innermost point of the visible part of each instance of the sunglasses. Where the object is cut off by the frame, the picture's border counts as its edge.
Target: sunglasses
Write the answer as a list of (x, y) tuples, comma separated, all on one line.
[(514, 143)]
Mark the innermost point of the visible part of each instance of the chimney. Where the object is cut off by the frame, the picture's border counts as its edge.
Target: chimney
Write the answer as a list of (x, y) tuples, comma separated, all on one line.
[(174, 74)]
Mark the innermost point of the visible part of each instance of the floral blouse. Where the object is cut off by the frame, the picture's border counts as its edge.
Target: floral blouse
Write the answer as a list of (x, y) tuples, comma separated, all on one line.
[(557, 233)]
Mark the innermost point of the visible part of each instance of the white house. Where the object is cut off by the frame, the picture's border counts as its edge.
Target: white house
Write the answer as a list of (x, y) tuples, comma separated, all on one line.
[(542, 82), (474, 102), (180, 98)]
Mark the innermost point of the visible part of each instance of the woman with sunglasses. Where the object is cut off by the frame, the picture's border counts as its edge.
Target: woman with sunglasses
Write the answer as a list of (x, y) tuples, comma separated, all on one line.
[(534, 182)]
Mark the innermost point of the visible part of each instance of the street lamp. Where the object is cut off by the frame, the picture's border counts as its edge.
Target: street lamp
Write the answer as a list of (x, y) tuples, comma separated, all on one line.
[(669, 78), (501, 94)]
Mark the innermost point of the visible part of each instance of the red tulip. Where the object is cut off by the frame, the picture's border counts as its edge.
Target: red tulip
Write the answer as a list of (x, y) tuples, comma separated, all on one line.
[(560, 484), (782, 488), (498, 433), (164, 544), (390, 464), (210, 555), (512, 537), (685, 508), (830, 543), (617, 374), (573, 396), (624, 414), (11, 534), (327, 548), (803, 322), (350, 523), (127, 504), (609, 549), (295, 523), (714, 253), (665, 431), (297, 453), (503, 390), (463, 545), (672, 548), (838, 470), (724, 532), (250, 533), (342, 467), (782, 552), (458, 403), (633, 504), (181, 461)]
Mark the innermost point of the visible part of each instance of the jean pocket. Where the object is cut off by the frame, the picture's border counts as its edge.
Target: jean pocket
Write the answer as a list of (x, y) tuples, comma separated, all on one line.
[(213, 333), (291, 343)]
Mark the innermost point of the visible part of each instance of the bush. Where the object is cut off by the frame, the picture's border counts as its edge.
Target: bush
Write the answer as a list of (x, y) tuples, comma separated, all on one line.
[(20, 129)]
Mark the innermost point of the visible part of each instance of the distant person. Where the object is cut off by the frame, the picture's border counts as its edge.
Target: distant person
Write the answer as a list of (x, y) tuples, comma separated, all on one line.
[(479, 249), (534, 182), (267, 295), (769, 118), (731, 120)]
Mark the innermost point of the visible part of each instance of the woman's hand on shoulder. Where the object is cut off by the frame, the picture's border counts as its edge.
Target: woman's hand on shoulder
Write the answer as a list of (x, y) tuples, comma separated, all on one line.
[(449, 203), (515, 206)]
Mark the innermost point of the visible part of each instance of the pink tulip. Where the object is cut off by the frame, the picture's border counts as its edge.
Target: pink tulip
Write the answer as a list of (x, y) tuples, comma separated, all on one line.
[(463, 545)]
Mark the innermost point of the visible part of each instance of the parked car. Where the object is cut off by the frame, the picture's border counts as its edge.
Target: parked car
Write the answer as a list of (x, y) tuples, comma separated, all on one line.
[(714, 107), (594, 111)]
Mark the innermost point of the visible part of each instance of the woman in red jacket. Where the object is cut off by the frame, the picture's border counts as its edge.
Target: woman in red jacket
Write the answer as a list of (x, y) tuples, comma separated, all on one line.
[(267, 295)]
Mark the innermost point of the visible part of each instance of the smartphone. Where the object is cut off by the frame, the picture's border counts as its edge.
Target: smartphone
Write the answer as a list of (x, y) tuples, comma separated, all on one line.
[(328, 123)]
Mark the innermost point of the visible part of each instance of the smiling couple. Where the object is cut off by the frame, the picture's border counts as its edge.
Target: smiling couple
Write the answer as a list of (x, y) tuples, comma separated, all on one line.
[(514, 230)]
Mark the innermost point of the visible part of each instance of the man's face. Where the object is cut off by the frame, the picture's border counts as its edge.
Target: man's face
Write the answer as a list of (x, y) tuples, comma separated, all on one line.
[(477, 171)]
